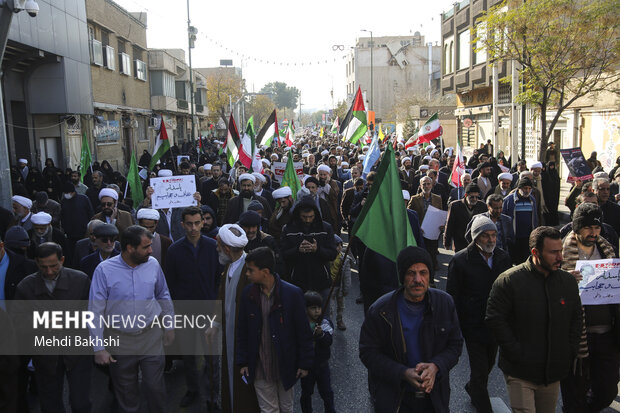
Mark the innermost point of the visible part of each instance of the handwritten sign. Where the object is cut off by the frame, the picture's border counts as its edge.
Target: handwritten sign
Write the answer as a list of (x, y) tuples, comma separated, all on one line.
[(279, 167), (173, 191), (601, 281)]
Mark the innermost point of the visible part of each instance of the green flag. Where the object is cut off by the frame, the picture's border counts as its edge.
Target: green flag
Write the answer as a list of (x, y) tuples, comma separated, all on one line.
[(134, 182), (85, 159), (383, 224), (290, 177)]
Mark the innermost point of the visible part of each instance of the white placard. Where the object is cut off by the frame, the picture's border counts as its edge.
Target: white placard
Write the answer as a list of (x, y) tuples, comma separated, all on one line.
[(433, 219), (173, 191), (279, 168), (601, 281)]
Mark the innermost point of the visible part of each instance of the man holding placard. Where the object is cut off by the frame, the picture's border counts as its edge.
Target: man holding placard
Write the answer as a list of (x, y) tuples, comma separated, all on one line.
[(596, 368)]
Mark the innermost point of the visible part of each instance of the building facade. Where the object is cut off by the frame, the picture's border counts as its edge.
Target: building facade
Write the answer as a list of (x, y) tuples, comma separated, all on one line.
[(401, 66), (120, 83), (46, 83)]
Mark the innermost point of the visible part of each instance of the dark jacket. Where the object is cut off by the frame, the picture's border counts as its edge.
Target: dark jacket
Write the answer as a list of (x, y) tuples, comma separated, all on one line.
[(89, 263), (75, 214), (309, 271), (507, 233), (261, 240), (323, 343), (458, 217), (193, 276), (536, 321), (611, 214), (288, 325), (469, 283), (383, 352), (19, 268), (234, 208), (607, 232)]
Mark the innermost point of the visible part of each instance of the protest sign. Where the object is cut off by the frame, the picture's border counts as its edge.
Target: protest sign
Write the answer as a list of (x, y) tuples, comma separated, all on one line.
[(182, 158), (577, 165), (433, 220), (173, 191), (601, 281), (279, 167)]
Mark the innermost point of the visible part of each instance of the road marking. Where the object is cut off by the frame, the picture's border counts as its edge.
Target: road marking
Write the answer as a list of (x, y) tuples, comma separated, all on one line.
[(499, 406)]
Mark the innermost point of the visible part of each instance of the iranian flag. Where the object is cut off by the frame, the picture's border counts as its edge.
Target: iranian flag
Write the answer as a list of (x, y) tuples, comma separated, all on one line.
[(355, 124), (162, 144), (458, 169), (268, 131), (290, 134), (430, 130), (246, 152), (412, 141), (232, 142), (336, 125)]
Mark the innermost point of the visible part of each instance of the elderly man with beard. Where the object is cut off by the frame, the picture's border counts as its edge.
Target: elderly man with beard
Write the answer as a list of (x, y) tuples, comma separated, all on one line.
[(237, 396), (149, 218), (407, 174), (105, 241), (250, 222), (503, 223), (239, 204), (355, 174), (110, 214), (259, 189), (459, 192), (193, 273), (282, 214), (471, 274), (42, 231), (504, 186), (459, 214), (592, 384), (21, 210)]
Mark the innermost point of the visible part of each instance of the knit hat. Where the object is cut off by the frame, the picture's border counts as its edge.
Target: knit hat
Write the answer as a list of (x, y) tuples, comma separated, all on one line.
[(249, 219), (413, 255), (525, 182), (255, 206), (587, 214), (481, 224), (16, 237)]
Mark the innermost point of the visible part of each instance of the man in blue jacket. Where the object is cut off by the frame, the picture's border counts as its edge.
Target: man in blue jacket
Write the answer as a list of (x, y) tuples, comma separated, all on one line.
[(274, 340), (410, 340)]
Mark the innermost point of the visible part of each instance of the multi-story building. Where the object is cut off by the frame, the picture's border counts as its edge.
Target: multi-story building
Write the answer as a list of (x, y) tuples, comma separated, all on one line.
[(121, 97), (400, 65), (170, 94), (46, 83)]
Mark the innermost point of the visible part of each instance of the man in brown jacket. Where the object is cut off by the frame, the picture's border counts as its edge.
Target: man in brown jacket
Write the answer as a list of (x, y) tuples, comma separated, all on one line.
[(420, 203), (110, 213)]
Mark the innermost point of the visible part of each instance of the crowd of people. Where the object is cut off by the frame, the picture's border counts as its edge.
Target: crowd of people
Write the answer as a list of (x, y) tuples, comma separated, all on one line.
[(278, 263)]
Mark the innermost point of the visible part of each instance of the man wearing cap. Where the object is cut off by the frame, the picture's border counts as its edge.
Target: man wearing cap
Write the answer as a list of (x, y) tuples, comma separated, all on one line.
[(471, 274), (521, 207), (503, 223), (408, 348), (106, 247), (239, 204), (484, 180), (330, 192), (75, 213), (250, 221), (237, 396), (535, 192), (592, 384), (282, 214), (149, 218), (459, 214), (42, 231), (192, 273), (110, 214), (504, 185), (43, 204), (21, 210)]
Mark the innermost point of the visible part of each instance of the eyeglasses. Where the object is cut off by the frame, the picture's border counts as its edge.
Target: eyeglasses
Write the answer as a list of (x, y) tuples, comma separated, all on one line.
[(106, 240), (107, 204)]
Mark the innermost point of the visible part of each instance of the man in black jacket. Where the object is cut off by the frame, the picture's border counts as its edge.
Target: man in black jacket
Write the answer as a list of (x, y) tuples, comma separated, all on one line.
[(410, 340), (75, 213), (534, 312), (239, 204), (611, 210), (471, 274), (459, 214)]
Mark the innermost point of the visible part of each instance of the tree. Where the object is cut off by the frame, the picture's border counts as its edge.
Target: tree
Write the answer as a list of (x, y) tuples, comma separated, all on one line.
[(259, 106), (410, 128), (566, 49), (223, 86), (341, 110), (284, 96)]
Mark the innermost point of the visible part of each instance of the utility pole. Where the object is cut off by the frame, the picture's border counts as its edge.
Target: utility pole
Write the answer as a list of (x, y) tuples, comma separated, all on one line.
[(191, 37), (372, 46), (7, 10)]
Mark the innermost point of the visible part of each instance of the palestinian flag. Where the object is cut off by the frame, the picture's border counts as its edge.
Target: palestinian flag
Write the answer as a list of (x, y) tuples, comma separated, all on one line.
[(355, 124), (290, 134), (458, 169), (232, 142), (430, 130), (336, 125), (162, 144), (246, 152), (268, 131)]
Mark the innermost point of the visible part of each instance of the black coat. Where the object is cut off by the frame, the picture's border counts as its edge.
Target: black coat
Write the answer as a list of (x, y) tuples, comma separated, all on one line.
[(383, 352), (469, 283), (75, 214), (7, 220), (89, 263), (611, 214), (234, 208), (458, 218), (19, 268)]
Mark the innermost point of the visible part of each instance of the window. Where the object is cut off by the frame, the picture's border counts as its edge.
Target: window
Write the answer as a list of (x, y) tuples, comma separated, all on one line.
[(448, 55), (125, 64), (121, 46), (97, 53), (464, 49), (480, 52), (105, 38), (180, 90), (138, 53), (140, 70), (109, 58)]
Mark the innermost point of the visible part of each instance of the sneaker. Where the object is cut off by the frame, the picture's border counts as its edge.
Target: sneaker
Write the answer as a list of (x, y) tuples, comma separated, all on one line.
[(341, 325)]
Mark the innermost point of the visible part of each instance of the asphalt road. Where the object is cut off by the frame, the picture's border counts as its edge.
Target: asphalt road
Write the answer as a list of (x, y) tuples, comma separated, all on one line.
[(349, 376)]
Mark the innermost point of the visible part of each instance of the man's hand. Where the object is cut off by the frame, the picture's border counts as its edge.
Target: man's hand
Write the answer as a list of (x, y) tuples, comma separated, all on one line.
[(428, 372), (301, 373), (305, 247), (318, 331), (197, 197), (245, 371), (149, 192), (168, 337), (413, 378), (313, 246), (577, 275), (211, 335), (103, 358)]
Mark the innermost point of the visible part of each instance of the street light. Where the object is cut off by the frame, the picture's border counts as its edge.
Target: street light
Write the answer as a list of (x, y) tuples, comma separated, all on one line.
[(191, 37), (372, 45)]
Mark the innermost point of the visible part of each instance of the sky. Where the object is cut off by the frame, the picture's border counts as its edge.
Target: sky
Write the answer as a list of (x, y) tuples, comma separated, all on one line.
[(286, 34)]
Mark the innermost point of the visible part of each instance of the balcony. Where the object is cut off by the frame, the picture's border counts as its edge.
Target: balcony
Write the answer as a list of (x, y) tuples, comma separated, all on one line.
[(199, 108), (182, 104)]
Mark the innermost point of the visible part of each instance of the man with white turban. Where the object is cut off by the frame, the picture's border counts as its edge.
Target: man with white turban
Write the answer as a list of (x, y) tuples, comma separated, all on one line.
[(236, 395), (42, 231), (110, 213), (239, 204), (504, 185), (282, 214), (259, 189), (21, 209), (149, 218)]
